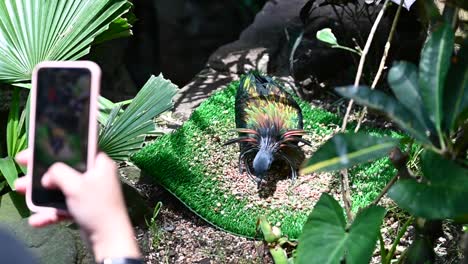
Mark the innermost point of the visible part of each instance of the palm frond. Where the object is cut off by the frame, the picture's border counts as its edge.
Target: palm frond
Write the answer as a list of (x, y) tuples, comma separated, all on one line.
[(124, 134), (32, 31), (106, 106)]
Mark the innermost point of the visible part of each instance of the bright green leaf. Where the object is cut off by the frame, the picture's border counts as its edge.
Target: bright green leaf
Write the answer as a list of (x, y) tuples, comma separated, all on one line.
[(396, 111), (325, 238), (441, 194), (16, 135), (279, 255), (13, 122), (8, 169), (105, 107), (433, 69), (22, 136), (119, 28), (124, 134), (32, 31), (346, 150), (456, 89), (22, 85), (327, 36), (26, 119)]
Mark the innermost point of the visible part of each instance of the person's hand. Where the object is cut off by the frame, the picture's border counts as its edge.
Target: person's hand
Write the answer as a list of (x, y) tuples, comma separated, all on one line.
[(94, 200)]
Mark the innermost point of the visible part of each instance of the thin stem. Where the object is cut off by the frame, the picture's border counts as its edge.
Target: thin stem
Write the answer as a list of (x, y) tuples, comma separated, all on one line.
[(385, 190), (397, 240), (346, 194), (363, 59), (346, 48), (344, 173), (382, 247), (383, 60)]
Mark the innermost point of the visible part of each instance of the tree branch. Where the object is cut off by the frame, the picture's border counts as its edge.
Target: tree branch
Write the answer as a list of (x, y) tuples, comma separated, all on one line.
[(383, 60), (346, 193), (344, 173), (365, 51)]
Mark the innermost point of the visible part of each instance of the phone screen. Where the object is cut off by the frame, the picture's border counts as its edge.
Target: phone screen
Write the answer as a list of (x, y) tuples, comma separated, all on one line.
[(61, 130)]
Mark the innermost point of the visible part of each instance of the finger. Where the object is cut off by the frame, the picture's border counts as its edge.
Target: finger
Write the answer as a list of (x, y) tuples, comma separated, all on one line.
[(104, 164), (46, 218), (62, 177), (21, 184), (23, 157)]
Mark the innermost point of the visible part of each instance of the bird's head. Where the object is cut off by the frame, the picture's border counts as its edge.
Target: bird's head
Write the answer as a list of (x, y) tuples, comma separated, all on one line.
[(262, 163)]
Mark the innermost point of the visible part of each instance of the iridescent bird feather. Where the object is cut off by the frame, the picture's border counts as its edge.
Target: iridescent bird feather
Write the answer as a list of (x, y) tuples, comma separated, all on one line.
[(269, 123)]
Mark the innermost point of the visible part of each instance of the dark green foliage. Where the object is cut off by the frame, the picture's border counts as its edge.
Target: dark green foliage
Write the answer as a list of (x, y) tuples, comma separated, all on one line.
[(394, 109), (346, 150), (440, 194), (433, 69), (420, 251), (431, 105), (404, 82), (327, 239), (456, 91)]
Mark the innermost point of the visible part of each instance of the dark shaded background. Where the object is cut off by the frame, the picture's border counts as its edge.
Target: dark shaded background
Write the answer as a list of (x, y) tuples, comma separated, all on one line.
[(174, 37)]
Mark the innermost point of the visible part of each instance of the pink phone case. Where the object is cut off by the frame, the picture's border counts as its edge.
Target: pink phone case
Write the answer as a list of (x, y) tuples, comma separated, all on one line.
[(92, 128)]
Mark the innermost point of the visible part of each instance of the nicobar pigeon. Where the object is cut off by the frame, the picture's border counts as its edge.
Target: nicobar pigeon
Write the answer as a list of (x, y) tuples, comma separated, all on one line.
[(270, 126)]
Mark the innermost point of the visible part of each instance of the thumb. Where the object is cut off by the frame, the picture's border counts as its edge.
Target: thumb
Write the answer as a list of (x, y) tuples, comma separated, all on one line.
[(63, 177)]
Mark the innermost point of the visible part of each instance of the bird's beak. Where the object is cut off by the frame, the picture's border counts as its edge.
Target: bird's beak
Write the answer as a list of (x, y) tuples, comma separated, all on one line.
[(260, 179)]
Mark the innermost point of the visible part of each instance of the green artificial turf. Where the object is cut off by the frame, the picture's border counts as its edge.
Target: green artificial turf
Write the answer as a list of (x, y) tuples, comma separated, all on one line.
[(174, 161)]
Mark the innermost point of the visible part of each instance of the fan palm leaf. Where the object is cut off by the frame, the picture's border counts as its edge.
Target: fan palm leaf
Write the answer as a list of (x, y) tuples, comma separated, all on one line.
[(32, 31), (124, 132)]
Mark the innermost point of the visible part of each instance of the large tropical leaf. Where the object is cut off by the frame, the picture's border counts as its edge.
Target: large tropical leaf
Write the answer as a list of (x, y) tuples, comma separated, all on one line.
[(433, 69), (403, 79), (396, 111), (106, 106), (441, 194), (32, 31), (13, 123), (124, 133), (8, 170), (326, 239), (346, 150), (16, 126), (456, 90)]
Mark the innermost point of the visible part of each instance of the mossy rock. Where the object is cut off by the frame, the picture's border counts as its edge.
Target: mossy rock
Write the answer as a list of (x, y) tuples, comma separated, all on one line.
[(193, 165), (54, 244)]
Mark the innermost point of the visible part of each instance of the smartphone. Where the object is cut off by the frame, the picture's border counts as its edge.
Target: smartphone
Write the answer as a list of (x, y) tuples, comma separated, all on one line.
[(62, 124)]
